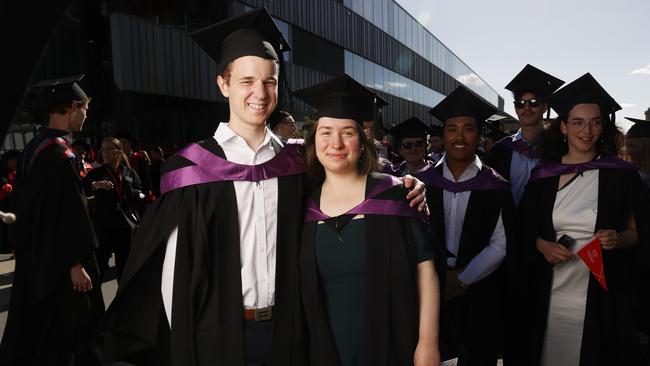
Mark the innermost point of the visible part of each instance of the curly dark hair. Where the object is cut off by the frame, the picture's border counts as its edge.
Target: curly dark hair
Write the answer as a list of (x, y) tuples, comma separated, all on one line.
[(367, 161), (555, 147)]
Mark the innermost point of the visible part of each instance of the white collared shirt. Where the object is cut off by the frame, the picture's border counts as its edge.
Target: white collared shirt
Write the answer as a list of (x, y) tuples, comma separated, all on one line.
[(520, 168), (257, 205), (455, 207)]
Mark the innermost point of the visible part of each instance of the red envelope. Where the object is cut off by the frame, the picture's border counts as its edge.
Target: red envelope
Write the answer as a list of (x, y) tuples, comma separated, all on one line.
[(592, 255)]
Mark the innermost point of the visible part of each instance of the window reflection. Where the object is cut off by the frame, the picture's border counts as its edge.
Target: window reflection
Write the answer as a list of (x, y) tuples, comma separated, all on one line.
[(392, 19), (379, 78)]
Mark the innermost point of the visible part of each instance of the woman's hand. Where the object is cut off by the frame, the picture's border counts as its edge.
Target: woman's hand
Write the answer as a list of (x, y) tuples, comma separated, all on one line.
[(426, 354), (102, 184), (608, 239), (554, 253)]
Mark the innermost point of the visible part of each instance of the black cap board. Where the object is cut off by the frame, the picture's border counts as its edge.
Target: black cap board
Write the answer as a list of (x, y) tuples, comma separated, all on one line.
[(59, 91), (641, 128), (253, 33), (341, 97), (412, 127), (533, 80), (584, 89), (463, 102), (493, 131)]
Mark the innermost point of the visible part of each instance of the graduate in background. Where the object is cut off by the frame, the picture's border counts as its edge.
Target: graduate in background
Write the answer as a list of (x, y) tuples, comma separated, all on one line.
[(514, 157), (637, 147), (436, 149), (472, 213), (410, 142), (56, 300), (282, 124), (583, 190), (368, 281)]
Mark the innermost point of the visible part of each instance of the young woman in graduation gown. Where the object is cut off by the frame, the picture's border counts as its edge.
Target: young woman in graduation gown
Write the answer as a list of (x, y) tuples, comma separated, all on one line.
[(582, 190), (115, 189), (368, 282)]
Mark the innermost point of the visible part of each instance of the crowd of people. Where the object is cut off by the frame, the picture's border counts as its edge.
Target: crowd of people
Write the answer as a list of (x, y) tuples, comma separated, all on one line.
[(451, 244)]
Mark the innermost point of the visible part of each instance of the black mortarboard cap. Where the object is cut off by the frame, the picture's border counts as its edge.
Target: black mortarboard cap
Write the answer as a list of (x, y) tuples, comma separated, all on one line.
[(463, 102), (412, 127), (276, 117), (59, 91), (641, 128), (584, 89), (493, 130), (253, 33), (341, 97), (436, 131), (534, 80)]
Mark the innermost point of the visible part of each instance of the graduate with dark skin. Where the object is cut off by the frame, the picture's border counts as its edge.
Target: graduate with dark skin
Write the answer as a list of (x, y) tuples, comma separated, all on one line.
[(460, 136), (473, 216)]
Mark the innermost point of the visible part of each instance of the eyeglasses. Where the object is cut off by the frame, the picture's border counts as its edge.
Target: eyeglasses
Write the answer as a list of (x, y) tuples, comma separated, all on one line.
[(532, 103), (410, 145), (579, 125)]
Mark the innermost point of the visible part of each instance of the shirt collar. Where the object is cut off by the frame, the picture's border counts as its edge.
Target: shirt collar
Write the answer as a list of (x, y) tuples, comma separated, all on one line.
[(471, 171), (225, 134), (518, 136)]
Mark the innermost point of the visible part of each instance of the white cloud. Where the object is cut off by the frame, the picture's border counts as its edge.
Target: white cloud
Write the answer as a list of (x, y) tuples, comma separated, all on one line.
[(396, 85), (641, 71), (470, 80), (627, 105)]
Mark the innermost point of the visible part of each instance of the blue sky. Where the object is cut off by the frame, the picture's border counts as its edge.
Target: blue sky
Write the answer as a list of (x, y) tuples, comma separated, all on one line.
[(566, 38)]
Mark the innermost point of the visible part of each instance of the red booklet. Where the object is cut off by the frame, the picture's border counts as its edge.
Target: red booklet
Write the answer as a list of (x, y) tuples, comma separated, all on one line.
[(592, 254)]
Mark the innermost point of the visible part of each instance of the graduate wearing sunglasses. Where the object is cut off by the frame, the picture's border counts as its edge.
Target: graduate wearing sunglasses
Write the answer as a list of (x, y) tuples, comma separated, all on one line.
[(411, 145), (515, 156)]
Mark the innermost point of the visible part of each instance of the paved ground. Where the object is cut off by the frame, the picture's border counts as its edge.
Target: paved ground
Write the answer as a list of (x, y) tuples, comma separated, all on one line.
[(6, 275)]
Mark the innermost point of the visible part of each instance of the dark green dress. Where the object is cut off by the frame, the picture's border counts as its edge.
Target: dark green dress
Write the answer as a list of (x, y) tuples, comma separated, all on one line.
[(341, 260)]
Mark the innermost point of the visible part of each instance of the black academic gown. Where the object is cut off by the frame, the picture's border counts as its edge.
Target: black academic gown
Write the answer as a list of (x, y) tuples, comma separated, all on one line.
[(478, 316), (207, 308), (609, 336), (48, 321), (392, 315), (499, 158)]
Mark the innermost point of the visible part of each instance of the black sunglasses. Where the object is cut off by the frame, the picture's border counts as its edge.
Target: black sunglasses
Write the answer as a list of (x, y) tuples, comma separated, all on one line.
[(409, 145), (532, 103)]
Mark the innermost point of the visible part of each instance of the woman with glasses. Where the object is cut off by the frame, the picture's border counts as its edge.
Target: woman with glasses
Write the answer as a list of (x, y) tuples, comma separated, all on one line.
[(582, 314), (369, 287), (116, 189)]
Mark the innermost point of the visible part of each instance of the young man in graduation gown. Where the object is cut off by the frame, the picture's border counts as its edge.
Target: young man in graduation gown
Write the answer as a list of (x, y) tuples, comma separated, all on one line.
[(581, 147), (515, 156), (472, 213), (56, 299), (216, 257)]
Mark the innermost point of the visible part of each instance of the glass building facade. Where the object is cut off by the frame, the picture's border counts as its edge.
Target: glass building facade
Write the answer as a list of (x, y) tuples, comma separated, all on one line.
[(394, 20), (147, 76)]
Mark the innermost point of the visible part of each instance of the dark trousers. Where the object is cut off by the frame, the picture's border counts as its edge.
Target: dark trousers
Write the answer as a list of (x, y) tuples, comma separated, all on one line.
[(258, 340), (113, 240)]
